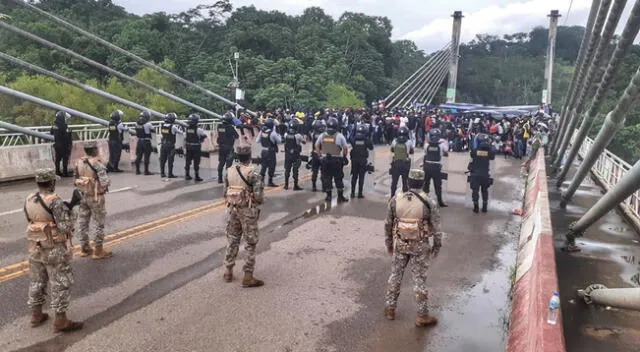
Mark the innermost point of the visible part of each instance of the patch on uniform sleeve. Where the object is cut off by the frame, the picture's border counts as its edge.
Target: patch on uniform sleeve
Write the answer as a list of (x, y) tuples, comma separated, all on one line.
[(482, 153)]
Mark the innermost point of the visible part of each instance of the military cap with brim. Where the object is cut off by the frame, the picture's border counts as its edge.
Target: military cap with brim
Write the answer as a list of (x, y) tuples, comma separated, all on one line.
[(46, 175), (416, 174)]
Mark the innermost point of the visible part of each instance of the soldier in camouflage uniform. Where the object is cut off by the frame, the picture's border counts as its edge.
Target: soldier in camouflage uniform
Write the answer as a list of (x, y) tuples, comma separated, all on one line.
[(243, 193), (412, 219), (50, 251), (93, 182)]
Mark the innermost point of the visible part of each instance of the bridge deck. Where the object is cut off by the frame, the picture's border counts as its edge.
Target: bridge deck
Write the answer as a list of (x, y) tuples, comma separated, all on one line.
[(609, 256), (325, 271)]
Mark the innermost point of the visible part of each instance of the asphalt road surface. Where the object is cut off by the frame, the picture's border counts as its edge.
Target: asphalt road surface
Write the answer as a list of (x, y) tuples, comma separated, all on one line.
[(325, 269)]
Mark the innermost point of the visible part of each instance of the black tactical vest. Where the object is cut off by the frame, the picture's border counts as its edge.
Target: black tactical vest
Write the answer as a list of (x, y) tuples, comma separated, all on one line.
[(114, 134), (226, 135), (359, 148), (167, 135), (433, 153), (265, 139), (141, 133), (191, 137), (290, 144)]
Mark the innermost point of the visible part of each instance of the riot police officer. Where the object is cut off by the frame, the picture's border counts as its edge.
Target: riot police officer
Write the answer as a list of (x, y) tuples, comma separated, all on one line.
[(269, 140), (116, 137), (63, 142), (479, 171), (402, 149), (332, 146), (360, 146), (319, 126), (144, 148), (193, 147), (227, 136), (434, 151), (169, 130), (292, 149)]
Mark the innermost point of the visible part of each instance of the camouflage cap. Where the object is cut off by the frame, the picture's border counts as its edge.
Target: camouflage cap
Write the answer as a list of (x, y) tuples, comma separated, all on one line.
[(46, 175), (243, 150), (416, 174), (90, 145)]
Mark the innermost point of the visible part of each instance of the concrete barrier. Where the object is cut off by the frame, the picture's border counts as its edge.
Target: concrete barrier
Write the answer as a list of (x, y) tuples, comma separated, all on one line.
[(21, 162), (536, 278)]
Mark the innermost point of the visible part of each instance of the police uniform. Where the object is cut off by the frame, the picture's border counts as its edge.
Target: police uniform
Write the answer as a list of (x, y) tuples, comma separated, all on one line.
[(412, 236), (144, 148), (331, 148), (193, 139), (360, 147), (168, 147), (227, 136), (401, 163), (292, 149), (479, 178), (318, 128), (268, 139), (116, 137), (433, 168), (62, 145), (243, 194), (93, 182), (49, 232)]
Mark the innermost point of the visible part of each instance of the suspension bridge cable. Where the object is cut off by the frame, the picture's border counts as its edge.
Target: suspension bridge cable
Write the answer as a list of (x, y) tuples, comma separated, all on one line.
[(426, 81)]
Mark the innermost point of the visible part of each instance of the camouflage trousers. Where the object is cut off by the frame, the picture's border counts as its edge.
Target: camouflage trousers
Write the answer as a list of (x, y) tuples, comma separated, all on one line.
[(51, 266), (242, 221), (89, 208), (419, 265)]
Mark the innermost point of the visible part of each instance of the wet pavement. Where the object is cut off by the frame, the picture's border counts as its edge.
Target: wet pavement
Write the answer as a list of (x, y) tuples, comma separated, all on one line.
[(609, 256), (325, 269)]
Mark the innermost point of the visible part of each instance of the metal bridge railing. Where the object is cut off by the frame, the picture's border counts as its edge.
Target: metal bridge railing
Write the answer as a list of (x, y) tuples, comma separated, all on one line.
[(609, 169), (80, 132)]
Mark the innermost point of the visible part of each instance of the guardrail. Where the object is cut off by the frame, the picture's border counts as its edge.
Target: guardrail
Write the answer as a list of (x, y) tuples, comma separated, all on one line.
[(609, 169), (86, 132)]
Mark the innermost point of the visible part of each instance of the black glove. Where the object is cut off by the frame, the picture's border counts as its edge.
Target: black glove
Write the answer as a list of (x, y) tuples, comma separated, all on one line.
[(126, 147), (155, 150), (345, 161), (179, 151), (75, 199)]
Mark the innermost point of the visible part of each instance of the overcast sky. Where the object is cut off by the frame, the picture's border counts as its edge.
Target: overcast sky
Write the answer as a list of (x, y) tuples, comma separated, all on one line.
[(427, 22)]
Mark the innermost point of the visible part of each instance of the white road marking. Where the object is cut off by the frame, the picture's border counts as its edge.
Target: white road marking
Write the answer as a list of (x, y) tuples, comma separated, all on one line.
[(123, 189), (11, 212)]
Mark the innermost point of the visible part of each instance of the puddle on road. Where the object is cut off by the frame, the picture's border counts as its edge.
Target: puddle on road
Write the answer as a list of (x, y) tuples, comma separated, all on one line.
[(481, 313)]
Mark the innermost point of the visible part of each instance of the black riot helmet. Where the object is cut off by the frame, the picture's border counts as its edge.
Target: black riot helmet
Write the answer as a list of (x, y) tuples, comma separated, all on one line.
[(170, 117), (484, 141), (319, 126), (227, 119), (144, 117), (403, 134), (332, 125), (62, 116), (362, 131), (435, 135), (293, 126), (194, 119), (269, 123), (116, 115)]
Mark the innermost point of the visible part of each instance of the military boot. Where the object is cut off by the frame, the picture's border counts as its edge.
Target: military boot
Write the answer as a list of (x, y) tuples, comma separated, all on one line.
[(138, 170), (228, 275), (484, 207), (187, 176), (353, 193), (271, 184), (476, 209), (37, 317), (100, 253), (220, 179), (390, 313), (86, 250), (425, 320), (198, 179), (286, 184), (250, 281), (146, 171), (341, 197), (62, 324), (314, 188), (296, 186), (171, 175), (328, 197)]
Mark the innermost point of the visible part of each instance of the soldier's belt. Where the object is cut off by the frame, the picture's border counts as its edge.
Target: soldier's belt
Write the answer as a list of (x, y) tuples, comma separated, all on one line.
[(144, 139)]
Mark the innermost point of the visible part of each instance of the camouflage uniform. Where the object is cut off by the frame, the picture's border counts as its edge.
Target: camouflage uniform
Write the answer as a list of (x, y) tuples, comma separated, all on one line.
[(413, 252), (242, 218), (49, 260), (92, 204)]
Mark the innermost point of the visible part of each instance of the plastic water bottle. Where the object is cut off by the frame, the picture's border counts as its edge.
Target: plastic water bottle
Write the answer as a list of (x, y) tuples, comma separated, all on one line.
[(554, 308)]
